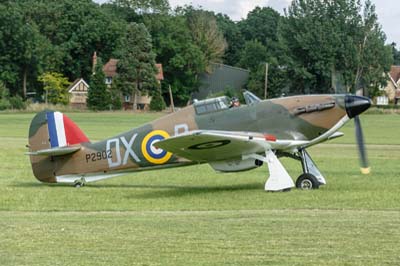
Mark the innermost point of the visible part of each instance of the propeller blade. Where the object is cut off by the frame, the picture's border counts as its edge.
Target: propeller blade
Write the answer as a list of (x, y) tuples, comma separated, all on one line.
[(365, 169)]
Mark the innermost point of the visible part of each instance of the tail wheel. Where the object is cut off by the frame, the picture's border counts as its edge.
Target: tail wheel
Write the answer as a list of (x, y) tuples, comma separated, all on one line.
[(307, 182), (79, 183)]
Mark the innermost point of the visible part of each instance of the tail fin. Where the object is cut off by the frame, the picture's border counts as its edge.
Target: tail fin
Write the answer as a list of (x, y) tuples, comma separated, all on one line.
[(51, 130)]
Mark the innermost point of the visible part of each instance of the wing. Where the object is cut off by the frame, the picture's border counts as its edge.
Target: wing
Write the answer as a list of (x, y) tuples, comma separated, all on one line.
[(209, 146)]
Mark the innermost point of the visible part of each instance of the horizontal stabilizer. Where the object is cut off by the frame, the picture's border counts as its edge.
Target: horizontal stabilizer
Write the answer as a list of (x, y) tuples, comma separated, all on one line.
[(55, 151)]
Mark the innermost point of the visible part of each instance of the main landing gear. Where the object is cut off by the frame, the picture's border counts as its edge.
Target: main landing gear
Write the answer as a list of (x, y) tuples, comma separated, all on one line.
[(311, 177), (280, 180)]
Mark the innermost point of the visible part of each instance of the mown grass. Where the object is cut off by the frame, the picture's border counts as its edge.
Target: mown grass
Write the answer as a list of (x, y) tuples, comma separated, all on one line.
[(194, 216)]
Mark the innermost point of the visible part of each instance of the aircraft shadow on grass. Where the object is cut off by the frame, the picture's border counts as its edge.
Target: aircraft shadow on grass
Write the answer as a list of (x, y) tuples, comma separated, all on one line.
[(28, 185), (158, 191), (173, 191)]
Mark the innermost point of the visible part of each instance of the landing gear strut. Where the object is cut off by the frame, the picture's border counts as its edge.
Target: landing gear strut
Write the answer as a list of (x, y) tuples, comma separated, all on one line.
[(280, 180)]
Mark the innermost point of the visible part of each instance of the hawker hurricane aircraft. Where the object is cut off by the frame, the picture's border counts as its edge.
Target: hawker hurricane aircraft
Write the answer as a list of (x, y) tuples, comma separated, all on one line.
[(227, 136)]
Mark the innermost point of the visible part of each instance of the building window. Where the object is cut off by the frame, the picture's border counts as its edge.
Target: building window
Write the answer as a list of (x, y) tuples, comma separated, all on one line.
[(127, 98), (382, 100), (108, 80)]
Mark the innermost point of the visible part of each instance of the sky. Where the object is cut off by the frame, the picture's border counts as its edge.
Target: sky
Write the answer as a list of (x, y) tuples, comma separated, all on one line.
[(387, 10)]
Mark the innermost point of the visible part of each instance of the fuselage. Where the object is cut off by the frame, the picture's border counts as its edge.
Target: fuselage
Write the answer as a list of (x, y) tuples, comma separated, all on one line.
[(303, 118)]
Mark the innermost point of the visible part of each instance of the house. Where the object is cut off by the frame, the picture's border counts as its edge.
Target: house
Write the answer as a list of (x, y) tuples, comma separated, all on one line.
[(220, 78), (392, 87), (110, 70), (138, 101), (78, 91)]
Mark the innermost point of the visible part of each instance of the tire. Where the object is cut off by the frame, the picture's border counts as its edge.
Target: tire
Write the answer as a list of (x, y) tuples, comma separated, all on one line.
[(79, 184), (307, 182)]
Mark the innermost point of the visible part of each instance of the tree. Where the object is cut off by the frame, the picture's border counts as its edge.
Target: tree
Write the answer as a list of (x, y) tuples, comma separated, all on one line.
[(75, 28), (136, 10), (52, 36), (136, 66), (55, 87), (328, 39), (262, 24), (144, 6), (234, 39), (260, 30), (396, 54), (98, 94), (115, 95), (4, 97), (10, 102), (375, 58), (10, 23), (254, 57), (23, 51), (253, 54), (157, 102), (181, 58), (206, 34)]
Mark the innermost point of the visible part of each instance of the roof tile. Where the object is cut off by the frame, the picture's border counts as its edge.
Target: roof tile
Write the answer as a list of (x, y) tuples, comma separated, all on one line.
[(395, 73)]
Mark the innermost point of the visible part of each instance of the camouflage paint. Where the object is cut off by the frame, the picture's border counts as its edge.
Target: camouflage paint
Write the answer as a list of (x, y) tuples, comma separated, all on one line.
[(132, 150), (278, 117)]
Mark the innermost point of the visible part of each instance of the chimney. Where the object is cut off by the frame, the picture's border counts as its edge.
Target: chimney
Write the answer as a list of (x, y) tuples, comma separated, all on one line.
[(94, 62)]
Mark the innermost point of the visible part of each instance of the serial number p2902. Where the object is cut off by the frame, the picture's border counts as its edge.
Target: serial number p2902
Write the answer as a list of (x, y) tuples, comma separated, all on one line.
[(97, 156)]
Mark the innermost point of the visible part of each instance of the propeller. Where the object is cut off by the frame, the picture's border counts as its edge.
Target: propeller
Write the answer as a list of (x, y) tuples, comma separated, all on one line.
[(355, 105), (365, 169)]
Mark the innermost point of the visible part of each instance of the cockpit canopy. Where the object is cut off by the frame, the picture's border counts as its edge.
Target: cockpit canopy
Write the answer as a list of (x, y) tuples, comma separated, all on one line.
[(211, 105), (221, 103)]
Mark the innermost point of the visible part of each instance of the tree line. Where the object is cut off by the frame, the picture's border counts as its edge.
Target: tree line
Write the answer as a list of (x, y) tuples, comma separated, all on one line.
[(316, 46)]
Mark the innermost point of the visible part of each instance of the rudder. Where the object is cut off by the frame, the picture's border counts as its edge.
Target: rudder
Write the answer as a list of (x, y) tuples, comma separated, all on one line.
[(48, 130)]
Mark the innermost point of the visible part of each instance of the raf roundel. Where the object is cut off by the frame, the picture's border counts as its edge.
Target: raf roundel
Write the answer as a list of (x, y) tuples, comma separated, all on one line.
[(150, 152)]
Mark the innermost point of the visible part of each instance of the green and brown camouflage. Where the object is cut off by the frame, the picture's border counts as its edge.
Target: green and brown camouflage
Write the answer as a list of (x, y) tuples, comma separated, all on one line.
[(298, 121)]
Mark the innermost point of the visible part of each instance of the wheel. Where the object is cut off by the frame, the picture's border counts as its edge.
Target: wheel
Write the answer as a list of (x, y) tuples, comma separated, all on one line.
[(307, 182), (79, 184)]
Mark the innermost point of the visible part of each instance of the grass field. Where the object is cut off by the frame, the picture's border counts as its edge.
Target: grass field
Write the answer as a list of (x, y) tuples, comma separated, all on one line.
[(194, 216)]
